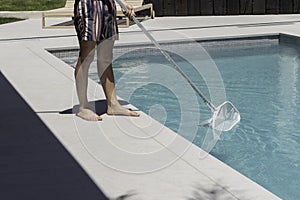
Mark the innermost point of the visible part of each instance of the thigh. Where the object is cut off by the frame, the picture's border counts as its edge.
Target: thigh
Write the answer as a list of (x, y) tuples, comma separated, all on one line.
[(109, 26), (84, 19)]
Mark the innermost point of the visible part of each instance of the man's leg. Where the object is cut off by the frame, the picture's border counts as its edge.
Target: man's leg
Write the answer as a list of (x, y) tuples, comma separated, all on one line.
[(105, 72), (86, 56)]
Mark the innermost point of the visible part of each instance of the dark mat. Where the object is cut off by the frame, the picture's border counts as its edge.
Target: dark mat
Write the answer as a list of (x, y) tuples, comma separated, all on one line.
[(33, 163)]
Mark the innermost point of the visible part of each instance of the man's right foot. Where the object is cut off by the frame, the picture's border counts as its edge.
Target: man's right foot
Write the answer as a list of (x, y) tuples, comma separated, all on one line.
[(88, 115), (119, 110)]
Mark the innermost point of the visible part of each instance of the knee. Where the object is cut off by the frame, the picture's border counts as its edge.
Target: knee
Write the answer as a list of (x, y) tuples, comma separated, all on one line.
[(87, 59), (86, 56), (104, 63)]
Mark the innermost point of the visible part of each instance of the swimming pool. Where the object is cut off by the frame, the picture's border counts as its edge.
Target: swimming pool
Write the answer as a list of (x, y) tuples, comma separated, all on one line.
[(260, 76)]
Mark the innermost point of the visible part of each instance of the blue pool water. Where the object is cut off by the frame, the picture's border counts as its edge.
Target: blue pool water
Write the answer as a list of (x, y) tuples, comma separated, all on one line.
[(261, 78)]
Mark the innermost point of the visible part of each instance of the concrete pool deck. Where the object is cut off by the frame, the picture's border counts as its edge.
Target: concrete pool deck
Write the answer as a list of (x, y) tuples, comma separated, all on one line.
[(122, 155)]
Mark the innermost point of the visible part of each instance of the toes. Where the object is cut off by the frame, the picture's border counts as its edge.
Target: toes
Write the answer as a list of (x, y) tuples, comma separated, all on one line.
[(96, 118), (99, 118), (134, 114)]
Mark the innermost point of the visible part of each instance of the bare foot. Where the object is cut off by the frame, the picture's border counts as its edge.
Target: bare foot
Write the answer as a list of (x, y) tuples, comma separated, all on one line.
[(88, 115), (119, 110)]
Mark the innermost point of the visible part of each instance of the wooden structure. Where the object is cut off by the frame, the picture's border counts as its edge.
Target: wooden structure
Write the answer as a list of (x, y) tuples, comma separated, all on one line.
[(224, 7), (66, 11), (138, 5)]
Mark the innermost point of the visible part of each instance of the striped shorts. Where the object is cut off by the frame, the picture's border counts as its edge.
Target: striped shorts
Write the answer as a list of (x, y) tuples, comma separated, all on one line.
[(95, 20)]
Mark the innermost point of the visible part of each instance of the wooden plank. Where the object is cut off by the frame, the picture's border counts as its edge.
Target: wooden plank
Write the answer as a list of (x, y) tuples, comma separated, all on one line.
[(245, 7), (286, 6), (272, 6), (194, 7), (219, 7), (223, 7), (169, 8), (181, 7), (296, 8), (157, 6), (206, 7), (259, 6), (233, 7)]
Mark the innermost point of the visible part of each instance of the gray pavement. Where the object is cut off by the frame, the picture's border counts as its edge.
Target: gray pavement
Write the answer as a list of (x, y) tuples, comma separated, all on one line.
[(158, 167)]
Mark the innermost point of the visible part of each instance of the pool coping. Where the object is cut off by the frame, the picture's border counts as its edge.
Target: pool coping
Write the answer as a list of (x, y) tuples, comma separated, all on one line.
[(57, 69), (281, 37)]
